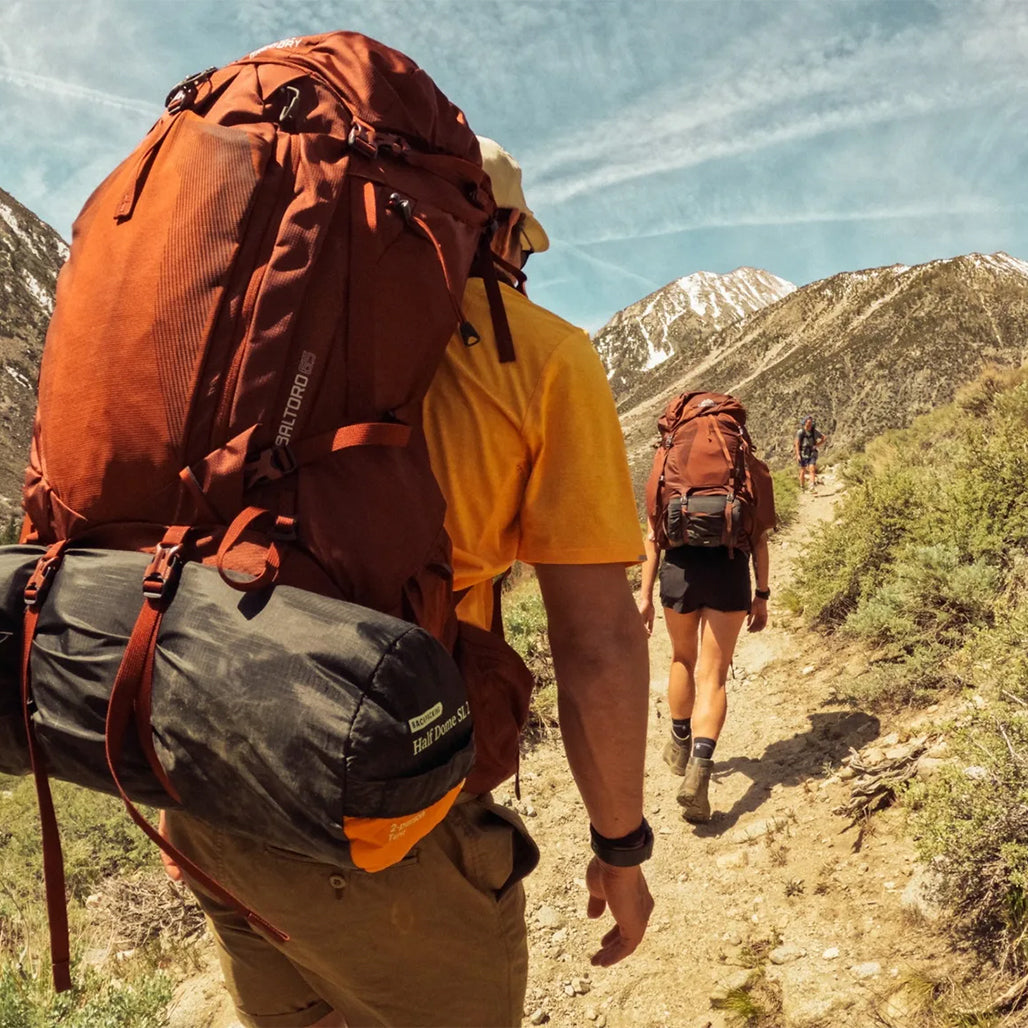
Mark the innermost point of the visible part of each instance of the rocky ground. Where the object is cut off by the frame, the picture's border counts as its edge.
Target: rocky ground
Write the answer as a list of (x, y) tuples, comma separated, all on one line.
[(781, 907), (778, 895)]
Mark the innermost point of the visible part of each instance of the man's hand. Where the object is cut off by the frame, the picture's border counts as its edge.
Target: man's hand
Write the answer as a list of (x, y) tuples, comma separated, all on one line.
[(173, 871), (756, 620), (624, 891), (647, 613)]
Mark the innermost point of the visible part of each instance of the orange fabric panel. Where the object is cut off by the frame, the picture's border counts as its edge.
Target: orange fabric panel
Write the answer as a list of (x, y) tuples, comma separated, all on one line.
[(378, 842)]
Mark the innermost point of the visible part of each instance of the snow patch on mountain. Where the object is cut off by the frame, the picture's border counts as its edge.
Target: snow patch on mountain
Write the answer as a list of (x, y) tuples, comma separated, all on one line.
[(647, 333)]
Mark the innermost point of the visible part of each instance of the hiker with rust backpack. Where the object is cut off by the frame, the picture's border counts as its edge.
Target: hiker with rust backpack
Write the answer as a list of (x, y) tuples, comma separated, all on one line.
[(442, 939), (710, 504), (237, 600)]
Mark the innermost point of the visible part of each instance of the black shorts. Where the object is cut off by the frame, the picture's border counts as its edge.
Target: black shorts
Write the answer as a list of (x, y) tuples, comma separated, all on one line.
[(692, 577)]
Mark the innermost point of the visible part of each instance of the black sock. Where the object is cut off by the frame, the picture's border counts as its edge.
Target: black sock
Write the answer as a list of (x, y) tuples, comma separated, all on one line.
[(704, 748), (681, 728)]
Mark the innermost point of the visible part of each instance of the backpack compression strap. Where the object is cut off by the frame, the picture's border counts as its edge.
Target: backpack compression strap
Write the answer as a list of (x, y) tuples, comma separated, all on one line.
[(53, 860), (132, 687)]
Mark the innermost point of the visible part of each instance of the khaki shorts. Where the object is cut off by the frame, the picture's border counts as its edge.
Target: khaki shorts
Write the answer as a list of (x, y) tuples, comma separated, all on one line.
[(438, 939)]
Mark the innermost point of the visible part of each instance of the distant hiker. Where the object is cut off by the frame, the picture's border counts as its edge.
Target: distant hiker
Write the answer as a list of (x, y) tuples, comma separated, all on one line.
[(806, 444), (710, 504), (441, 938)]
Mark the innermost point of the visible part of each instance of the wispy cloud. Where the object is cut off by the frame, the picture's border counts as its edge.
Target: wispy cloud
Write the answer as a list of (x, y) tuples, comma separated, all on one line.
[(34, 83), (910, 212)]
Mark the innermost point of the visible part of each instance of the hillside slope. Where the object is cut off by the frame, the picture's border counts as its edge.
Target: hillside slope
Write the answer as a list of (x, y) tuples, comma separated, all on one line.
[(862, 351), (31, 254)]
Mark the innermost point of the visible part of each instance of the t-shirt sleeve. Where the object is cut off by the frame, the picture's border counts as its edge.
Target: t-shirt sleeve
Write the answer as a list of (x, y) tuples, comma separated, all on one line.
[(578, 503)]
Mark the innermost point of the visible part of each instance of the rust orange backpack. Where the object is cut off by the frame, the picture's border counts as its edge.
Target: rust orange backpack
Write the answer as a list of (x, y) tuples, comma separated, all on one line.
[(255, 304), (707, 487)]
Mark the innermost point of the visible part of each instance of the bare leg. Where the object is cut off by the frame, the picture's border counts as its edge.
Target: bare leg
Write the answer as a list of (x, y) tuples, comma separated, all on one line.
[(684, 631), (719, 632)]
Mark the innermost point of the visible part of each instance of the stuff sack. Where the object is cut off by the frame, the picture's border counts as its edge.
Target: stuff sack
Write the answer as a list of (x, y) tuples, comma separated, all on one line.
[(707, 487), (316, 725)]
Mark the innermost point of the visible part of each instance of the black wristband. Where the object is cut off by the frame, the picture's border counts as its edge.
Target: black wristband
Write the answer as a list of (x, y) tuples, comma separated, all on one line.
[(762, 594), (628, 851)]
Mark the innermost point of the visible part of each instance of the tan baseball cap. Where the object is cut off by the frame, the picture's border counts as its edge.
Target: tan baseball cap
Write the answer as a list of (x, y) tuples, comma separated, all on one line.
[(505, 175)]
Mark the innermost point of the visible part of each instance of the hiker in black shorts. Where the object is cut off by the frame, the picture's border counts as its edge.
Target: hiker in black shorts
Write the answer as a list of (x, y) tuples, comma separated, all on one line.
[(808, 439), (705, 593)]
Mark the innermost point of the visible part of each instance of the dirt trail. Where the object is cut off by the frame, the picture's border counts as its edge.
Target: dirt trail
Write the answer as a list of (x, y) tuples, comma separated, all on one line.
[(773, 885)]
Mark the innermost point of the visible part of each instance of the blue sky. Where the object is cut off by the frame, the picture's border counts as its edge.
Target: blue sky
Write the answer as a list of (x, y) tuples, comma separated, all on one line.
[(658, 137)]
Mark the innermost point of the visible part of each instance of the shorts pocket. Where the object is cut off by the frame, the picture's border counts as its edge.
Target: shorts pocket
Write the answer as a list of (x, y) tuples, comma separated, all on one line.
[(496, 849)]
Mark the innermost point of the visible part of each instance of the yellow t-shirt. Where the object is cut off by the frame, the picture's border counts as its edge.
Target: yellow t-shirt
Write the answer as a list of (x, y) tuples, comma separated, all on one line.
[(529, 455)]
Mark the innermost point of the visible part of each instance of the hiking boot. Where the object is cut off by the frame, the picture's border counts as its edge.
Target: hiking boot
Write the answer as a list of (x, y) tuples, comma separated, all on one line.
[(692, 795), (676, 753)]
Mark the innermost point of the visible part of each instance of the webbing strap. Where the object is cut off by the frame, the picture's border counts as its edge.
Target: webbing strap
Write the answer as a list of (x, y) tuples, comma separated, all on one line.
[(138, 658), (284, 526), (501, 327), (53, 858), (278, 461)]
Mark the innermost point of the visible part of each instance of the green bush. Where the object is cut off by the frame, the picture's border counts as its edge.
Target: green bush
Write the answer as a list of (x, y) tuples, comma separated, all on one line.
[(926, 553), (525, 625), (972, 824), (140, 1001), (787, 496)]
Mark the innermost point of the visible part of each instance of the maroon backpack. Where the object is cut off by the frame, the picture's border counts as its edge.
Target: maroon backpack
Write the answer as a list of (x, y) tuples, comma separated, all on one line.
[(254, 306), (707, 487)]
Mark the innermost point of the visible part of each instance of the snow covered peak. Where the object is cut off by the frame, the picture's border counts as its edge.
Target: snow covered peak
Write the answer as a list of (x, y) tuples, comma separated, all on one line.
[(726, 298)]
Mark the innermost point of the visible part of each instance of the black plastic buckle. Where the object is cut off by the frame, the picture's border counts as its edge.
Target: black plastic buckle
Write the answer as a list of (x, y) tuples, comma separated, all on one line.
[(163, 571), (183, 95), (270, 465), (284, 529), (362, 139), (41, 579)]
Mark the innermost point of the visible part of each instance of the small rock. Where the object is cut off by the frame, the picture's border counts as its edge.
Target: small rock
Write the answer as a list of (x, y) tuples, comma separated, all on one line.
[(920, 894), (808, 670), (601, 1021), (530, 812), (976, 773), (590, 1013), (786, 954), (124, 954), (581, 986), (569, 990), (757, 829), (548, 917), (734, 858), (740, 979), (928, 767), (94, 900), (831, 953), (869, 970), (888, 886), (539, 1017), (560, 936), (890, 740)]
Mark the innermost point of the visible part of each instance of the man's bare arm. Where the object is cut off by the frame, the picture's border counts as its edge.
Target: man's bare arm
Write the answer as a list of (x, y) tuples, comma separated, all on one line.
[(600, 658), (602, 666)]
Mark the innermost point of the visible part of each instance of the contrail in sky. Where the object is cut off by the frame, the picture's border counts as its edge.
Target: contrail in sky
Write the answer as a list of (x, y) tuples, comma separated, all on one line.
[(70, 91)]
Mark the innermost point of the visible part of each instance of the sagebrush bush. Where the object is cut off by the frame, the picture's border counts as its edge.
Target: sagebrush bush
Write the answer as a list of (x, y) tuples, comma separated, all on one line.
[(525, 625), (972, 824), (137, 1000)]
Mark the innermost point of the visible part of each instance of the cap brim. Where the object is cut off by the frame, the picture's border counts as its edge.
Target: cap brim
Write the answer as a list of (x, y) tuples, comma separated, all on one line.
[(536, 235)]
